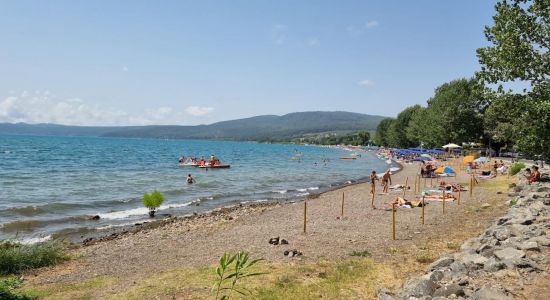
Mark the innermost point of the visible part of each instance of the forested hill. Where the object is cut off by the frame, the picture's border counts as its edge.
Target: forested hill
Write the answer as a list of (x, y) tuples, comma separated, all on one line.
[(260, 128)]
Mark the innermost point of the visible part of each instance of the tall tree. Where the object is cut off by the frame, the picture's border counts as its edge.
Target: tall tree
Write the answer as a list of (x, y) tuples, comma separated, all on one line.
[(397, 133), (519, 50), (381, 134)]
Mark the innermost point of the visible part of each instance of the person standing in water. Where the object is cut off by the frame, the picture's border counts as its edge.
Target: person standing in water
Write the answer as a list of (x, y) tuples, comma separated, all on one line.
[(190, 180), (386, 181)]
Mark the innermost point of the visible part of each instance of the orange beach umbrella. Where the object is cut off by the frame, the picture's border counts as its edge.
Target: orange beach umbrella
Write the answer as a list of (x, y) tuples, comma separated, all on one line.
[(468, 159)]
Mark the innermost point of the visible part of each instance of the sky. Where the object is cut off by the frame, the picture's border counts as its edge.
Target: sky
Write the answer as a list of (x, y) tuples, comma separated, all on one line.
[(198, 62)]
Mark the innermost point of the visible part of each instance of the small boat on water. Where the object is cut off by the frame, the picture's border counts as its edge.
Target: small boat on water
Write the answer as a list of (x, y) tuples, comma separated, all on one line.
[(348, 157), (215, 167)]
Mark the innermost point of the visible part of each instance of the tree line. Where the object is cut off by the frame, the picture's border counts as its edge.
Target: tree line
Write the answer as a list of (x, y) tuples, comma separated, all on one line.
[(479, 109)]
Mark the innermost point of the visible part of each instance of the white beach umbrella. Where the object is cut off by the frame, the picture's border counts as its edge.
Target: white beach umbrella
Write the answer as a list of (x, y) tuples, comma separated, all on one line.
[(451, 146)]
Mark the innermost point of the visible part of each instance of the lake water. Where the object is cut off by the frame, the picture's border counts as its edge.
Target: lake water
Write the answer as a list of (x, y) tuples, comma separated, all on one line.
[(52, 185)]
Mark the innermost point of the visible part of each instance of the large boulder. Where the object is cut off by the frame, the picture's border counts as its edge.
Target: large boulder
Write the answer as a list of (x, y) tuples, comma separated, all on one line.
[(441, 263), (490, 293), (448, 290), (509, 253)]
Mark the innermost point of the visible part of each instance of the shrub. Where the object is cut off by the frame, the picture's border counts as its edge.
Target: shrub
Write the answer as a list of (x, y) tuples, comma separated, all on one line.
[(228, 282), (15, 257), (7, 285), (364, 253), (516, 167), (153, 201)]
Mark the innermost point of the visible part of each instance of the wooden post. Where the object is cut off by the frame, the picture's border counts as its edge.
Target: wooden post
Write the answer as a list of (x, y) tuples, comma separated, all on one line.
[(305, 215), (431, 181), (444, 201), (425, 182), (393, 221), (423, 205), (405, 186), (459, 188), (415, 181), (342, 213), (471, 185), (373, 192)]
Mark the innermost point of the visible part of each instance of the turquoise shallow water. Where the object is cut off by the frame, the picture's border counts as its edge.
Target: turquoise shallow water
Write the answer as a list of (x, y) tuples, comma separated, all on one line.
[(51, 185)]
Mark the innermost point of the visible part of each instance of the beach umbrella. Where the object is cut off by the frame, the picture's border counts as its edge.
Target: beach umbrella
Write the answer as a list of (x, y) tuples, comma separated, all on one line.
[(451, 146), (439, 170), (468, 158), (426, 155), (448, 170), (482, 159)]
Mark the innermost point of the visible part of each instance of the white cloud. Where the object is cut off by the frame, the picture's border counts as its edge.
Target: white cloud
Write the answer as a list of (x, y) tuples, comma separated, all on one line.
[(43, 107), (125, 69), (366, 82), (355, 30), (278, 34), (198, 111), (371, 24), (313, 42)]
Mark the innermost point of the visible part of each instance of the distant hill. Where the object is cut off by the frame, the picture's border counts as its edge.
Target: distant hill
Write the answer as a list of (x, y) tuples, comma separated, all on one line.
[(260, 128)]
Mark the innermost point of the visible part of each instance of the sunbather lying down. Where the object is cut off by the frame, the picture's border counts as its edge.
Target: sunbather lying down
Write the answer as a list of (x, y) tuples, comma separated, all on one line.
[(455, 187), (398, 187), (439, 197), (402, 202), (487, 175)]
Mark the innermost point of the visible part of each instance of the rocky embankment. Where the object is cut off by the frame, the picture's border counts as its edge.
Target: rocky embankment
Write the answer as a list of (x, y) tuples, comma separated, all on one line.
[(501, 263)]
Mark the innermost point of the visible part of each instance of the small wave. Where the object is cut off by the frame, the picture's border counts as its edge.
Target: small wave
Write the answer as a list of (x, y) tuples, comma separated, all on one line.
[(35, 240), (31, 210), (280, 192), (313, 188), (137, 211), (23, 225), (301, 190), (302, 194), (116, 225)]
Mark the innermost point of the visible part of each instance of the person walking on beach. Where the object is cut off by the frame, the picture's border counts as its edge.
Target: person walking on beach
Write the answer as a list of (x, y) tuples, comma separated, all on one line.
[(386, 181), (373, 178), (190, 180)]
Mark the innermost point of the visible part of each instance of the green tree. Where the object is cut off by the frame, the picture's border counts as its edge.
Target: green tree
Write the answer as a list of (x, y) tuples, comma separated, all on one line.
[(397, 133), (519, 50), (520, 41), (363, 138), (381, 134), (453, 114)]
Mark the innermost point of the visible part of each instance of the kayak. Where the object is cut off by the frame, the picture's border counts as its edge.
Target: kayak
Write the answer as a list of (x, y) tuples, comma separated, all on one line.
[(348, 157), (215, 167)]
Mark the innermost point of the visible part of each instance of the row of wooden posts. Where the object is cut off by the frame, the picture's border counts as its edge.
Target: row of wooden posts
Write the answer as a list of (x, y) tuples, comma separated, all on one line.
[(417, 187)]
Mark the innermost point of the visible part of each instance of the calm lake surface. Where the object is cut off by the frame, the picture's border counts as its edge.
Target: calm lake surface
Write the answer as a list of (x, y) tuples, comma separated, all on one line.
[(52, 185)]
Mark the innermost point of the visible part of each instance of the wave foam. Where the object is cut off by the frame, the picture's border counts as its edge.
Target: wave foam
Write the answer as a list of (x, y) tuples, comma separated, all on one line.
[(137, 211), (35, 240)]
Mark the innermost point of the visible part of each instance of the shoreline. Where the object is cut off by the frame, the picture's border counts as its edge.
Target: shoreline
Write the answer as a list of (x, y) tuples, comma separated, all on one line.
[(99, 235)]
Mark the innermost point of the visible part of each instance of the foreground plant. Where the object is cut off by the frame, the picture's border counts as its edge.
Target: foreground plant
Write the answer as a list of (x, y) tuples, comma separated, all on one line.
[(16, 258), (153, 201), (228, 277)]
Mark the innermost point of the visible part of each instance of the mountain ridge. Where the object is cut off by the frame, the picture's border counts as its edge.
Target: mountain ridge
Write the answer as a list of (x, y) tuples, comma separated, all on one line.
[(258, 128)]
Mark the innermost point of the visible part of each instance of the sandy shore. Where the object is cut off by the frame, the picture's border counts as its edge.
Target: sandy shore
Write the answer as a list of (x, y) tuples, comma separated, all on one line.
[(200, 240)]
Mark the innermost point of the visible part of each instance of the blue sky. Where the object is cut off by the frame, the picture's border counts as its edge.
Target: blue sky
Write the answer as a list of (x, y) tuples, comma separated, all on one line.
[(194, 62)]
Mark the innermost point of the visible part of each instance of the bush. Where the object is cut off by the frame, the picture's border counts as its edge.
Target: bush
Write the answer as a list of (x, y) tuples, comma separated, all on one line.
[(7, 286), (516, 167), (16, 258), (153, 201), (364, 253)]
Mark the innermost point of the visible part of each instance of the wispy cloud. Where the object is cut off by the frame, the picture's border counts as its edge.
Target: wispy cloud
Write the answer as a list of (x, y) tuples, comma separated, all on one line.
[(366, 82), (43, 107), (198, 111), (356, 30), (313, 42), (279, 33), (371, 24)]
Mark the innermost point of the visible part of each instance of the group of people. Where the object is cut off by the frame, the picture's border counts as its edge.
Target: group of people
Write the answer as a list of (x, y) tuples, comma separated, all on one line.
[(213, 161), (385, 181)]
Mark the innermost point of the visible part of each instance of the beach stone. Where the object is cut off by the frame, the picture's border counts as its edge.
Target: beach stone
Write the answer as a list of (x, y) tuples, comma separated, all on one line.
[(492, 265), (448, 290), (502, 234), (472, 260), (509, 254), (384, 294), (529, 245), (458, 268), (512, 185), (419, 287), (441, 263), (490, 293), (542, 240)]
